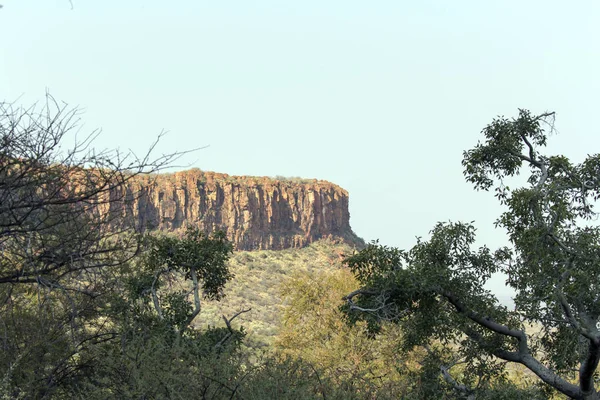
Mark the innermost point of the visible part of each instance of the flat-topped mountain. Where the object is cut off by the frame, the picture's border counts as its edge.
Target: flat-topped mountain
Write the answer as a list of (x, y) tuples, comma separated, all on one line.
[(255, 212)]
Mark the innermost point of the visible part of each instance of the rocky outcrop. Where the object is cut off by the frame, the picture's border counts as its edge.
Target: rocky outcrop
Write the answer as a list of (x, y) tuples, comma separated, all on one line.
[(255, 212)]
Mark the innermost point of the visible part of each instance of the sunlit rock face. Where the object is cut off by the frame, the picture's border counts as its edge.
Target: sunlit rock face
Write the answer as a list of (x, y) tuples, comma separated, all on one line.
[(255, 212)]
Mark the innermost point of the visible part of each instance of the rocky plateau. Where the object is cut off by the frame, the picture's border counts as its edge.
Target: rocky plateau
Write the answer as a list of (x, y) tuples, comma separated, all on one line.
[(257, 213)]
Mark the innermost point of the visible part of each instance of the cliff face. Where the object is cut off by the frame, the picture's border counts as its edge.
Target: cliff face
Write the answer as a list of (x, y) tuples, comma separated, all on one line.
[(256, 213)]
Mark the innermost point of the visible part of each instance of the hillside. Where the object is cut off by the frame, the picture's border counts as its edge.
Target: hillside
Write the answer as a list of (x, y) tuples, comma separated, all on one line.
[(279, 227), (257, 285)]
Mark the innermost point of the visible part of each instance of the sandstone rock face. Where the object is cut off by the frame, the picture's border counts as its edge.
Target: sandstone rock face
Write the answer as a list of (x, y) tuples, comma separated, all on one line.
[(255, 212)]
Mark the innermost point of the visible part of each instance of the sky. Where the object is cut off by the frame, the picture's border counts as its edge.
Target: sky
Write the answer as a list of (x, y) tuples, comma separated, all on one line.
[(379, 97)]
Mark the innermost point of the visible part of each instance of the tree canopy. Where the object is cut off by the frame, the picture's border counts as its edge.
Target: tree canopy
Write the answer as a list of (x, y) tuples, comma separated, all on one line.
[(64, 243), (94, 306), (435, 291)]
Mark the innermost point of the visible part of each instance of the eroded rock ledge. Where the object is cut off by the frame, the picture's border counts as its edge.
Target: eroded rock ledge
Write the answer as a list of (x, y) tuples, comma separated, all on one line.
[(256, 212)]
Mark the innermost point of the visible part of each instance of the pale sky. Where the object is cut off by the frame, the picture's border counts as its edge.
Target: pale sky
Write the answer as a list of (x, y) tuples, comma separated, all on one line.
[(379, 97)]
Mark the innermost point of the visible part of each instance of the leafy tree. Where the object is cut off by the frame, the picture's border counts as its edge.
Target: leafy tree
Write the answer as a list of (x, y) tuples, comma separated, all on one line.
[(63, 234), (196, 257), (435, 291), (314, 331), (158, 354)]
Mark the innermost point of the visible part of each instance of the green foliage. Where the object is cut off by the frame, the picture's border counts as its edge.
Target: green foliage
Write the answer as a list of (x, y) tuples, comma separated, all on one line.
[(435, 291), (61, 244), (156, 363), (293, 179), (314, 330), (152, 354), (501, 155), (40, 354), (91, 309), (170, 260), (195, 256)]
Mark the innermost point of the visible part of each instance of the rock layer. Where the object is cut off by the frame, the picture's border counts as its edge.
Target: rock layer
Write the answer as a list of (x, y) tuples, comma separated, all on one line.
[(255, 212)]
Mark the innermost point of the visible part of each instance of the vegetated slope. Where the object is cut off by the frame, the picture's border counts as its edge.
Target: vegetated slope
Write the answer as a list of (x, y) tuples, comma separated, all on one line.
[(257, 285), (277, 226)]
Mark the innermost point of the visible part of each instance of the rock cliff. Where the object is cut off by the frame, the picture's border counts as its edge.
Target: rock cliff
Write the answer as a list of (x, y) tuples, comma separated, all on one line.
[(255, 212)]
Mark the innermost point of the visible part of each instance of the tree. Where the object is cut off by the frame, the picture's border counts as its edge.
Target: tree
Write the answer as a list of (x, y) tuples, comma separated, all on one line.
[(313, 330), (435, 291), (61, 210), (169, 260), (157, 353), (64, 232)]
